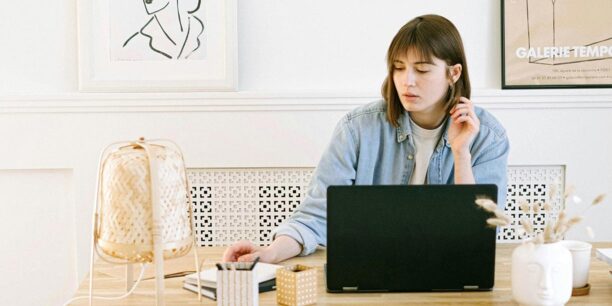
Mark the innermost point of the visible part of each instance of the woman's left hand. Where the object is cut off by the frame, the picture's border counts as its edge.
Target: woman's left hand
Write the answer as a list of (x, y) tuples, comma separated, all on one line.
[(464, 126)]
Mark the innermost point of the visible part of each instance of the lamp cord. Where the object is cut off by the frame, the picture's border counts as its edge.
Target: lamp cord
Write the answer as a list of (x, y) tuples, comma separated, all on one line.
[(142, 270)]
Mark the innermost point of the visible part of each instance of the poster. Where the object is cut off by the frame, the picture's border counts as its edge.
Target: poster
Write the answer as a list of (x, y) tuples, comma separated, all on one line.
[(154, 46), (556, 43)]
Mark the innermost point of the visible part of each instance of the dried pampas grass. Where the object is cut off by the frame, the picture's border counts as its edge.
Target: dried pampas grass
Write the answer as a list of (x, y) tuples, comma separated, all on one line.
[(500, 218), (524, 206), (527, 226), (590, 232), (554, 230), (497, 222), (536, 208), (569, 191), (599, 199)]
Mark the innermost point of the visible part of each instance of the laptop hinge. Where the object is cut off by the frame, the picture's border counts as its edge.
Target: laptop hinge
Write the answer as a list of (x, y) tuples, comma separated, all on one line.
[(467, 287), (349, 288)]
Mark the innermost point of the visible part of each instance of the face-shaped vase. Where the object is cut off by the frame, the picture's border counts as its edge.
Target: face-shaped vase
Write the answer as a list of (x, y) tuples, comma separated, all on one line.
[(541, 274)]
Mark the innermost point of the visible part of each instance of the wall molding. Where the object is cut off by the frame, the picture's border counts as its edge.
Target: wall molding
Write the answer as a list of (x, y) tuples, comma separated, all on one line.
[(258, 101)]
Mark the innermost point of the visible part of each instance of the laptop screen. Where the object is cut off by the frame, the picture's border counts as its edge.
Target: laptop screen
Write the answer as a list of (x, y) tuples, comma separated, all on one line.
[(409, 238)]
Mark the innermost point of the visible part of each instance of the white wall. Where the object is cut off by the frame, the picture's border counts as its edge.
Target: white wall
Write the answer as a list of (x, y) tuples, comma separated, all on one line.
[(38, 240), (302, 65)]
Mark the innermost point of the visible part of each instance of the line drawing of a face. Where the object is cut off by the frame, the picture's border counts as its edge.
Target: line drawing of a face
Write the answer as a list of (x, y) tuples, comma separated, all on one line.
[(172, 30), (154, 6)]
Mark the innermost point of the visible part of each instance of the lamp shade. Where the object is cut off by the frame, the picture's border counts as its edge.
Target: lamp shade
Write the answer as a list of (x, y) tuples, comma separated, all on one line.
[(131, 177)]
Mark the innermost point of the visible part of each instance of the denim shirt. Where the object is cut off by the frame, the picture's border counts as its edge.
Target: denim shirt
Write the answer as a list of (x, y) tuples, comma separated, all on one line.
[(367, 150)]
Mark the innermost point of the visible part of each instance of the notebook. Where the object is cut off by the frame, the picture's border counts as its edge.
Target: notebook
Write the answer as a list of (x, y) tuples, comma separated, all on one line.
[(409, 238), (265, 274), (604, 255)]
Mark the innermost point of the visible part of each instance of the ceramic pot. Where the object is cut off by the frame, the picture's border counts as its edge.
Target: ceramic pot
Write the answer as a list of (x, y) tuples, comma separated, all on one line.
[(541, 274), (581, 257)]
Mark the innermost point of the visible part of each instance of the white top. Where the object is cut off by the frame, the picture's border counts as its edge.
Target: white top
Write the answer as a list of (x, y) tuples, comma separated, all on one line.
[(425, 142)]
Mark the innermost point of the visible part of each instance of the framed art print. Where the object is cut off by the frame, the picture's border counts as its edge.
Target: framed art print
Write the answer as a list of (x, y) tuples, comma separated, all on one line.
[(157, 45), (556, 43)]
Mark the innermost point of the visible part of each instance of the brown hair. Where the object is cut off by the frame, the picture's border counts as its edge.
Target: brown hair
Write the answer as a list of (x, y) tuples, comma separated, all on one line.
[(427, 35)]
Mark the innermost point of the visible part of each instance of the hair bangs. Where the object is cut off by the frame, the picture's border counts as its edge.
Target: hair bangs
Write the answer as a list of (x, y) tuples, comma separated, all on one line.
[(412, 41)]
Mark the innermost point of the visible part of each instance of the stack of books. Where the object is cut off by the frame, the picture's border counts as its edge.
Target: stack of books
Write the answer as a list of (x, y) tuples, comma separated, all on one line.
[(265, 275)]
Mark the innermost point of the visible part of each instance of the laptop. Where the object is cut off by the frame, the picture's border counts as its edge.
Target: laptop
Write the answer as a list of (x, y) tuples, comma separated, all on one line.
[(387, 238)]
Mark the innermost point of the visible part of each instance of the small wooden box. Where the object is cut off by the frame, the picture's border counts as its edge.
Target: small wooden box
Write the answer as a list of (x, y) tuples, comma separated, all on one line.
[(296, 285)]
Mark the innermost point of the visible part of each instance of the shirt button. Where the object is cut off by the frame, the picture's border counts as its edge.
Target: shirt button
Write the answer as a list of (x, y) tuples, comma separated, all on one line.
[(410, 157)]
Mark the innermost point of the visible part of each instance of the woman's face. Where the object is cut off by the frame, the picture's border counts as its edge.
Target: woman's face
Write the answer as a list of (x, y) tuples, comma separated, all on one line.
[(154, 6), (421, 85)]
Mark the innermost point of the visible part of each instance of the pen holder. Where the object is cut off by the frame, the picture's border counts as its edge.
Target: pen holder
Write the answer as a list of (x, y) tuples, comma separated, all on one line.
[(296, 285), (237, 287)]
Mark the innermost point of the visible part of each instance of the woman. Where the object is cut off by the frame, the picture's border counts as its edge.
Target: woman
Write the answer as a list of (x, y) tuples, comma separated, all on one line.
[(426, 131)]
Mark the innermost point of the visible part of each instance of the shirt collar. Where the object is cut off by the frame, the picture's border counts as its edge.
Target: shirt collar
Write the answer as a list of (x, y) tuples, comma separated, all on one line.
[(404, 130)]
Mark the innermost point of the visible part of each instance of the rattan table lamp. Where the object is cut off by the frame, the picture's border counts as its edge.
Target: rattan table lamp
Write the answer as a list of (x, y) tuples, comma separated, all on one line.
[(143, 211)]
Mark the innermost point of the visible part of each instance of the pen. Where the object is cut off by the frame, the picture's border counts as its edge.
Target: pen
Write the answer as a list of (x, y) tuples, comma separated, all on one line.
[(219, 267), (254, 263)]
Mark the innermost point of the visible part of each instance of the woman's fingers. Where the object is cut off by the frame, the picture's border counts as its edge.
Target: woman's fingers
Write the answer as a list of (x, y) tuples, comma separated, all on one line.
[(233, 252), (464, 107), (461, 119), (467, 120), (460, 112), (248, 257), (462, 102)]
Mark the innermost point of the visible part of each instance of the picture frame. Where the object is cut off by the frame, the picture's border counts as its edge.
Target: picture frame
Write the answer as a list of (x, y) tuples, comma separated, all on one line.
[(556, 44), (157, 45)]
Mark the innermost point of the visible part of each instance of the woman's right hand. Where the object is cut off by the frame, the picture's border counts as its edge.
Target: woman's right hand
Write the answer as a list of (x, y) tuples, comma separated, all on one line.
[(283, 247), (246, 251)]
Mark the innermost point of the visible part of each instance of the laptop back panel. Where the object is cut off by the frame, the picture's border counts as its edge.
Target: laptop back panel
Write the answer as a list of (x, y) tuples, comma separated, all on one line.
[(409, 238)]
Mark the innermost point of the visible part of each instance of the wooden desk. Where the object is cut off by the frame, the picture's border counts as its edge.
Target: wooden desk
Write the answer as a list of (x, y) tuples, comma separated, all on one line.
[(109, 280)]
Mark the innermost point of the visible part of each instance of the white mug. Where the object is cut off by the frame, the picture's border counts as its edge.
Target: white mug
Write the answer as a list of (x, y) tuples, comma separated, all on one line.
[(581, 258)]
